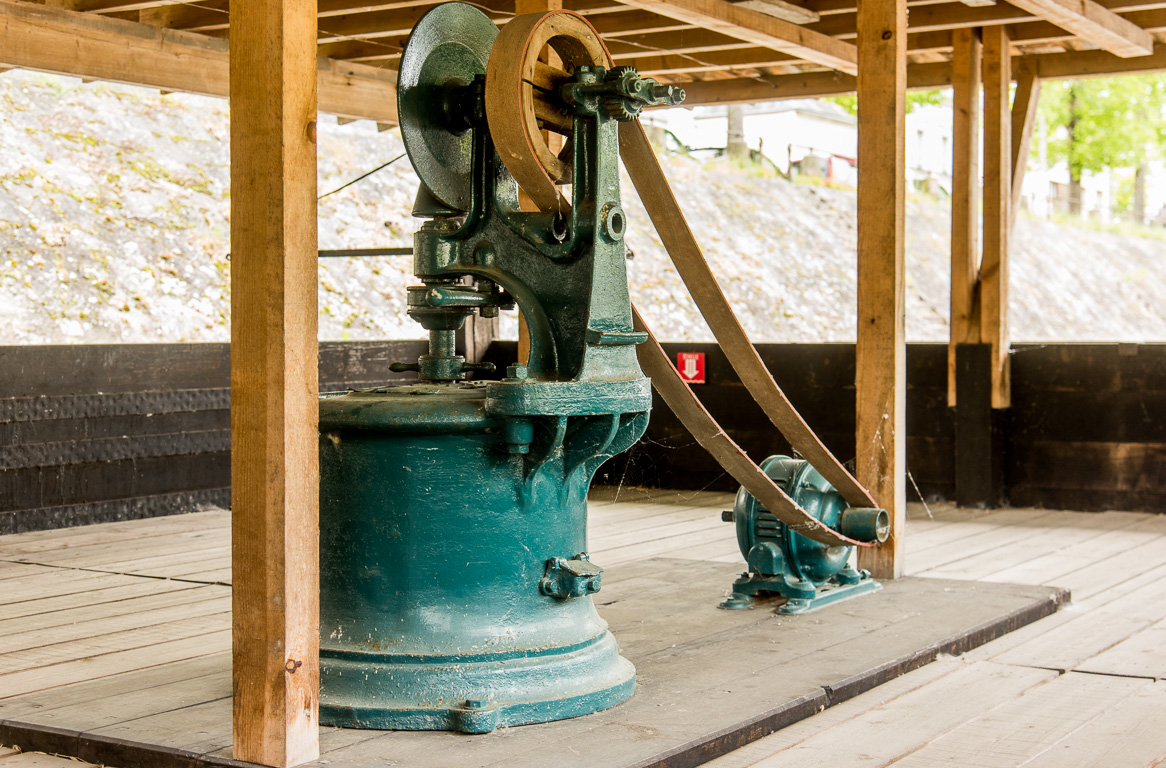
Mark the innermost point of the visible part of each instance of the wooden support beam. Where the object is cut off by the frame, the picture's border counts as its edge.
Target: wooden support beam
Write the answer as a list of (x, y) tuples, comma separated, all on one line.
[(1093, 22), (997, 209), (881, 378), (758, 28), (965, 198), (139, 54), (274, 435), (1051, 66), (1024, 105), (836, 7)]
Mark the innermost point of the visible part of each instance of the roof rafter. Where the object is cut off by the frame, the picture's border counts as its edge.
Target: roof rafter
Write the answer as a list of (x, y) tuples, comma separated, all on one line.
[(1095, 23), (1050, 66), (759, 28), (139, 54)]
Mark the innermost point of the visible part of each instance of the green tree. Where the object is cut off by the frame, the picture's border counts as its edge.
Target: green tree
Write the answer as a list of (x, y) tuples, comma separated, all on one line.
[(915, 99), (1098, 123)]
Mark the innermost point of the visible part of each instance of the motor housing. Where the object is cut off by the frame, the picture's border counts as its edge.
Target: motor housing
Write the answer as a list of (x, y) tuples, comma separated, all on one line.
[(807, 573)]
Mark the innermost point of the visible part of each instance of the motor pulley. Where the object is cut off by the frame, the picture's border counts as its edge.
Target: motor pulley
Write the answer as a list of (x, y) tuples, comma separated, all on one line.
[(456, 589), (782, 563)]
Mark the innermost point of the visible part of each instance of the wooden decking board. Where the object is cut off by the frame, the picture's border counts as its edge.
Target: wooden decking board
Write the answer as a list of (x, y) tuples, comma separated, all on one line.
[(108, 533), (699, 666), (40, 760), (99, 546), (116, 662), (100, 611), (96, 703), (982, 566), (1027, 726), (90, 647), (1079, 609), (1050, 567), (106, 596), (138, 559), (200, 728), (838, 714), (220, 576), (893, 730), (111, 628), (1139, 655), (1116, 569), (1079, 636), (171, 684), (1129, 733), (975, 543), (62, 582), (666, 547), (658, 527)]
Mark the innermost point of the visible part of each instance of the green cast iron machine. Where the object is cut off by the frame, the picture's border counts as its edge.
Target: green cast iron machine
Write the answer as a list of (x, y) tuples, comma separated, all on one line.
[(455, 583)]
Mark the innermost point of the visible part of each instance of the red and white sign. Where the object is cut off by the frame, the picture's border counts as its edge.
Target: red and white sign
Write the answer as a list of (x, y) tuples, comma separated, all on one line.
[(691, 366)]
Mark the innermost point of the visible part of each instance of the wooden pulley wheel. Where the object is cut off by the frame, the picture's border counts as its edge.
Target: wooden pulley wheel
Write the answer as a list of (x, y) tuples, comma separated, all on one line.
[(522, 97)]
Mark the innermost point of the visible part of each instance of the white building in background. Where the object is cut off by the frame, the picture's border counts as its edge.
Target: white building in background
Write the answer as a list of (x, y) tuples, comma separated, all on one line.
[(817, 137), (820, 138)]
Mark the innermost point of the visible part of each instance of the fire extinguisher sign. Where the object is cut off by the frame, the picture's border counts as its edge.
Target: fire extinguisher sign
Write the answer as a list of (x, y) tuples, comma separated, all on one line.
[(691, 366)]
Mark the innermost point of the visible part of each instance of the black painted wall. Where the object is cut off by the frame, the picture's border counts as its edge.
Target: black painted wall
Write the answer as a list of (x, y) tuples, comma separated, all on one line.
[(98, 433), (1086, 430)]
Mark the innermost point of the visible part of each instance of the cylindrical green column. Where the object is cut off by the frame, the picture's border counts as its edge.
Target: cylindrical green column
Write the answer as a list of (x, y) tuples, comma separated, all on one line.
[(435, 538)]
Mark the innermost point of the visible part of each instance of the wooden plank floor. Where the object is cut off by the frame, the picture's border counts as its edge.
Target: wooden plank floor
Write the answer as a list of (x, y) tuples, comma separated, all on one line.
[(1083, 687)]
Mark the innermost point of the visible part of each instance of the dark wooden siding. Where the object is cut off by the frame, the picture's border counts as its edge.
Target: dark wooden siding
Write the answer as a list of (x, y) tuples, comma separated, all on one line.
[(1086, 431), (98, 433)]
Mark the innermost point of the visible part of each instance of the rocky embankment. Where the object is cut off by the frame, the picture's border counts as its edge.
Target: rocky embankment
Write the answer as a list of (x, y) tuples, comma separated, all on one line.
[(115, 212)]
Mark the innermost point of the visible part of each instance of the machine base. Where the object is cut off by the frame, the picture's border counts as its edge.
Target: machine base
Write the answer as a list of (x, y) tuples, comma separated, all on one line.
[(475, 693), (749, 585)]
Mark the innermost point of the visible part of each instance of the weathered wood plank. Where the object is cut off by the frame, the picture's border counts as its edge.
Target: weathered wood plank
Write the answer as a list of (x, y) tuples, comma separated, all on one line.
[(128, 52), (40, 760), (881, 374), (87, 649), (138, 693), (37, 679), (1035, 543), (274, 360), (1139, 655), (793, 735), (888, 732), (52, 642), (1077, 637), (1128, 733), (89, 613), (1029, 725), (1123, 531)]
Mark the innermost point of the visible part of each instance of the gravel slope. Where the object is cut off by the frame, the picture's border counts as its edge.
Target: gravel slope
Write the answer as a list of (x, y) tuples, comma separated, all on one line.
[(115, 218)]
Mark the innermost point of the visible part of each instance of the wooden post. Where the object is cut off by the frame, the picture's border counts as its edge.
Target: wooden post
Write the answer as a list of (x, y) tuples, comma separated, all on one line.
[(1023, 119), (274, 453), (965, 198), (881, 371), (997, 208)]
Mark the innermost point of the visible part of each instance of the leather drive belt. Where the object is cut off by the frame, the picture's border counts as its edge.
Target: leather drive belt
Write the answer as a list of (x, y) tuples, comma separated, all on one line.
[(656, 194)]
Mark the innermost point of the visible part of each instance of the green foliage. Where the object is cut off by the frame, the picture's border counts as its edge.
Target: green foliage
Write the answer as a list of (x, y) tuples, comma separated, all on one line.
[(1114, 122), (915, 99)]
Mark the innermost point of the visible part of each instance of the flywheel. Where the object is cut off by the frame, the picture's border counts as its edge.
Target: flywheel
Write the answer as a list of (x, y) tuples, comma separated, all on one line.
[(522, 98)]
